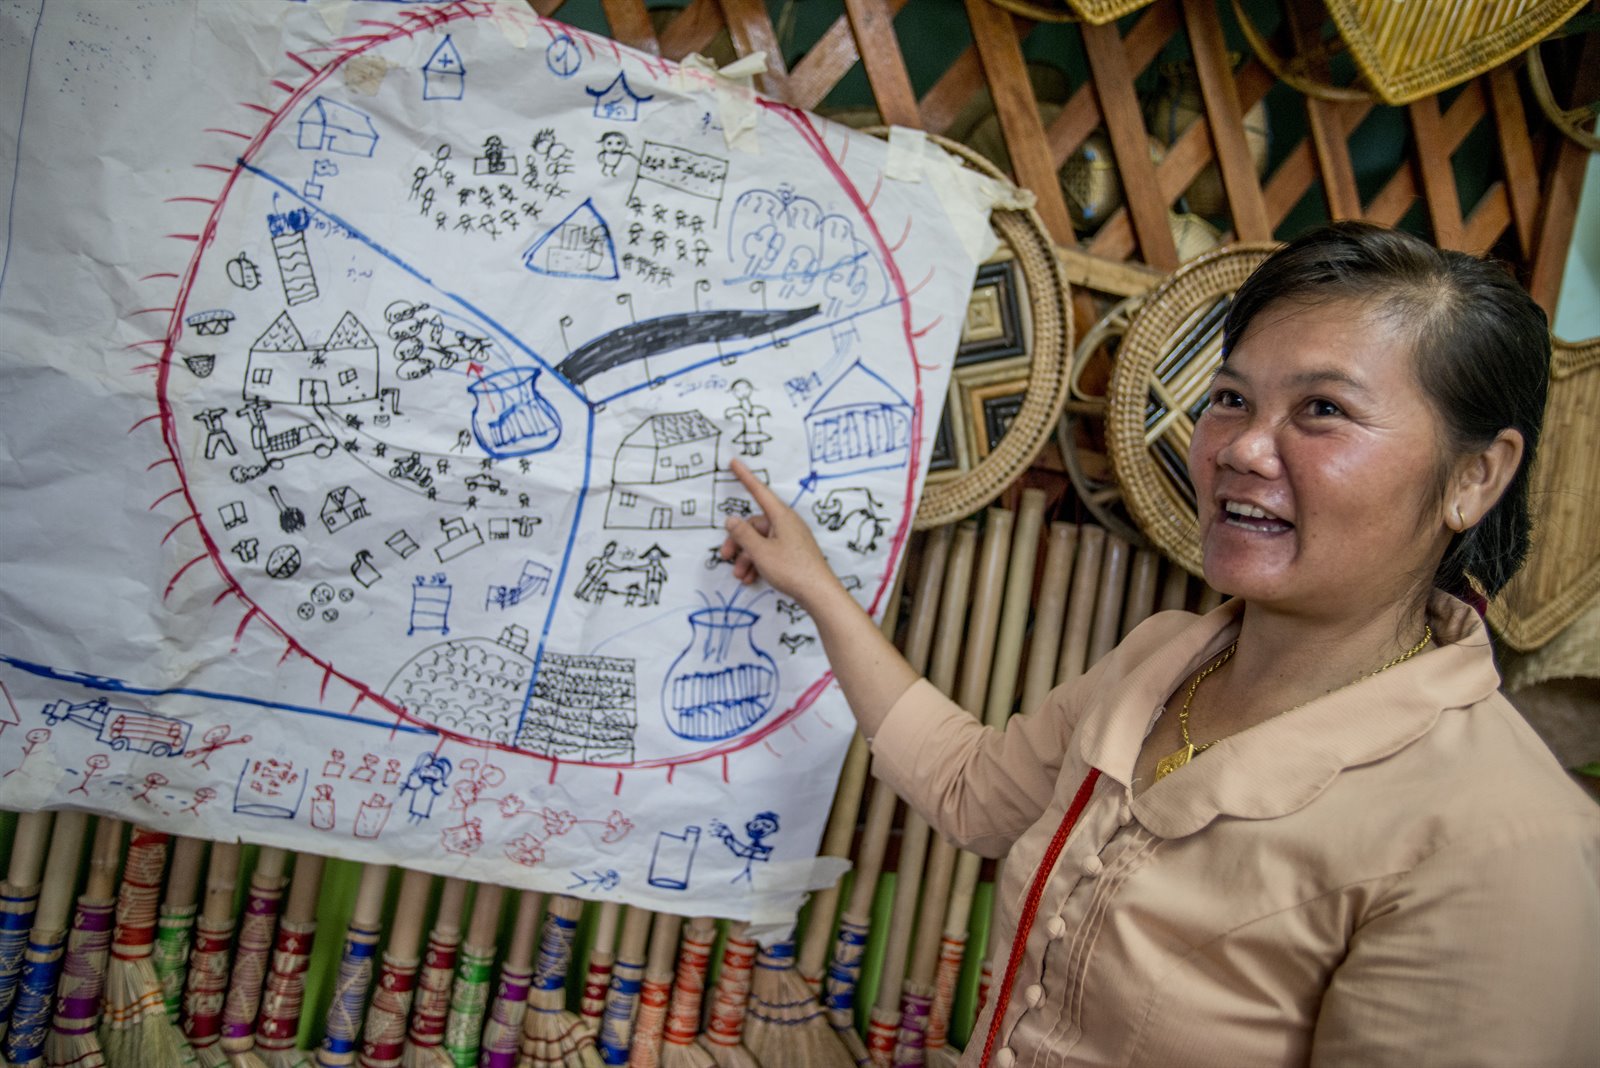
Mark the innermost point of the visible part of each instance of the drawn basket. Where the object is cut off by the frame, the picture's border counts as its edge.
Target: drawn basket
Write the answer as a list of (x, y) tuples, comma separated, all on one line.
[(1158, 388), (1010, 377), (1562, 575)]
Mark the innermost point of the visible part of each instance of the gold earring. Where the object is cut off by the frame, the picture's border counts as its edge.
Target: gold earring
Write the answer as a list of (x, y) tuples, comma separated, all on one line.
[(1461, 521)]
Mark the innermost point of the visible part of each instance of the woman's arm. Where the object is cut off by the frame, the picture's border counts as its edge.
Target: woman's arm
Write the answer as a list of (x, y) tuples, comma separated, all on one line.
[(777, 545)]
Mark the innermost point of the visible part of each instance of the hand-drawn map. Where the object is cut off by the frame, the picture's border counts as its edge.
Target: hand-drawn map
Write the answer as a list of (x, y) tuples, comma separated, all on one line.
[(372, 375)]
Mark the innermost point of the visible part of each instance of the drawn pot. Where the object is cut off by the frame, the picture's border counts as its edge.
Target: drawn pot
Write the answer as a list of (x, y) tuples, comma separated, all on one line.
[(721, 683), (509, 415)]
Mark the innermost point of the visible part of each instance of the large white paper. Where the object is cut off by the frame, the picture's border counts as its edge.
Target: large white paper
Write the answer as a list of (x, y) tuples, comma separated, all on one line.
[(371, 378)]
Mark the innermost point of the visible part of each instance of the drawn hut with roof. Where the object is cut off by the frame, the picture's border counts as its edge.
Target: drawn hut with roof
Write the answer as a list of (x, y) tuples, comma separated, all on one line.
[(665, 474), (861, 423), (284, 369)]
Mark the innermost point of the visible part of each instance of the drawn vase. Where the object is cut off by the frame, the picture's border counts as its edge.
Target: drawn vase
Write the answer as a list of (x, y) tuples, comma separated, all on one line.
[(721, 683), (510, 417)]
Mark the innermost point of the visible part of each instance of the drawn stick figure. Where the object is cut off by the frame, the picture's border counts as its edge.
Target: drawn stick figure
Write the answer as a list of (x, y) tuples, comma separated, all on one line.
[(201, 796), (96, 763), (152, 781), (215, 738), (36, 737), (762, 825), (217, 436)]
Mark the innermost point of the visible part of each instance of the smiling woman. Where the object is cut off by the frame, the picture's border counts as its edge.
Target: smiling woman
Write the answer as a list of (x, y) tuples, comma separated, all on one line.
[(1345, 846)]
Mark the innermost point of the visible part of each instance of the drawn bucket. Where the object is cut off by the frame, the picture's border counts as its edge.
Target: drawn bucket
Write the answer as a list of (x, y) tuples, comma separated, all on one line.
[(510, 417), (721, 683)]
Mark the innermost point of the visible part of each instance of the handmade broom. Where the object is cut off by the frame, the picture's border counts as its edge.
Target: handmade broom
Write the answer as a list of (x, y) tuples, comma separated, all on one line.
[(844, 969), (175, 923), (504, 1026), (654, 992), (41, 962), (206, 985), (678, 1046), (1081, 605), (982, 627), (469, 998), (19, 898), (342, 1029), (72, 1042), (883, 1024), (724, 1033), (1001, 679), (251, 958), (553, 1036), (1043, 649), (283, 994), (813, 958), (597, 975), (622, 999), (134, 1029), (784, 1026), (383, 1036), (430, 1009)]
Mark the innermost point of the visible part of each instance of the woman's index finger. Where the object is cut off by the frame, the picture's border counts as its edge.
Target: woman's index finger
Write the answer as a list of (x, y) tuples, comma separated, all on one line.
[(765, 498)]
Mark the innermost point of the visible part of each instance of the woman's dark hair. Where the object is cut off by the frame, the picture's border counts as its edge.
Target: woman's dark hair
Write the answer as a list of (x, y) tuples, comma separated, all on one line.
[(1482, 355)]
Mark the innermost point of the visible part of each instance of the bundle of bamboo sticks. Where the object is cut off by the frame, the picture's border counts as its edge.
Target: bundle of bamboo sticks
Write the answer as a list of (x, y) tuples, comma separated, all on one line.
[(995, 611)]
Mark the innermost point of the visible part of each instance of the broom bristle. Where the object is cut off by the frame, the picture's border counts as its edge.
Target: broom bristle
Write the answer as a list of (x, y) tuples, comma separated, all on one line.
[(504, 1026), (785, 1026), (943, 1057), (81, 1050), (248, 1058), (911, 1042), (425, 1057), (554, 1036), (734, 1056), (135, 1031)]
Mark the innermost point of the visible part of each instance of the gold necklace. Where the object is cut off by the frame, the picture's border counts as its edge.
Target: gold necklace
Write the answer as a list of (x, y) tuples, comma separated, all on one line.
[(1178, 758)]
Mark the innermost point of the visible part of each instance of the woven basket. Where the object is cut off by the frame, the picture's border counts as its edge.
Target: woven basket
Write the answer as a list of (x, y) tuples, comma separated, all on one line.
[(1562, 574), (1158, 386), (1097, 12), (1408, 49), (1050, 316)]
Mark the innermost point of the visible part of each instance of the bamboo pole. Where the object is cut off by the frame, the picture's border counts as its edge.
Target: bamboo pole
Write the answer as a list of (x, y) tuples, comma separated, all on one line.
[(206, 985)]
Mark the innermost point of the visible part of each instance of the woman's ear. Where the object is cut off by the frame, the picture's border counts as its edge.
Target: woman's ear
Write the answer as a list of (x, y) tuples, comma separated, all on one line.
[(1480, 479)]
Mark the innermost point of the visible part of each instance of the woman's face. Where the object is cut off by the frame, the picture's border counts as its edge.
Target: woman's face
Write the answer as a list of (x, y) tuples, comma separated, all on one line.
[(1315, 465)]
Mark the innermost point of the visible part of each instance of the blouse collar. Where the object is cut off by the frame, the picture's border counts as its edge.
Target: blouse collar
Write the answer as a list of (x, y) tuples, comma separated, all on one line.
[(1283, 763)]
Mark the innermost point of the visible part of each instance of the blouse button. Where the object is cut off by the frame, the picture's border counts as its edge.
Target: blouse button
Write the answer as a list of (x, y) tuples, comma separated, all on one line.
[(1125, 814), (1033, 995), (1091, 866), (1055, 927), (1006, 1057)]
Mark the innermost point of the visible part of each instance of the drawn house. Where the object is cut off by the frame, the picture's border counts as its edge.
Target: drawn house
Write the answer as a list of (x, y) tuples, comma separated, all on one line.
[(329, 126), (617, 101), (444, 76), (860, 423), (284, 369), (665, 474), (342, 507)]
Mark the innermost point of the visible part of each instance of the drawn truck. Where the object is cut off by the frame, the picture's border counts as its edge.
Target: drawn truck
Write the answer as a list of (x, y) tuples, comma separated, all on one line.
[(123, 728)]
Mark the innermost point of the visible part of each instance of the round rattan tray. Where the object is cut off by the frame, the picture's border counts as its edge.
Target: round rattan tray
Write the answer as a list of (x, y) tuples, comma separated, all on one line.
[(1050, 315), (1158, 387)]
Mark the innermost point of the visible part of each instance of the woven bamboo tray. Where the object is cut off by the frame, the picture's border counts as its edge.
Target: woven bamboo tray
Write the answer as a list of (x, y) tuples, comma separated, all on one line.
[(1562, 575), (1050, 327), (1158, 387), (1096, 12)]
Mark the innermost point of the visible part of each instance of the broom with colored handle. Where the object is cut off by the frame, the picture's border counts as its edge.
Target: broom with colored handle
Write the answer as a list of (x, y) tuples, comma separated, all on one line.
[(982, 627), (678, 1046), (724, 1033), (553, 1036), (622, 999), (341, 1032), (41, 962), (283, 994), (1043, 649), (1001, 677), (205, 987), (19, 898), (430, 1008), (654, 992), (504, 1027), (883, 1024), (813, 959), (844, 969), (251, 957), (134, 1030), (469, 998), (1081, 605), (72, 1042), (597, 975), (383, 1037), (175, 924)]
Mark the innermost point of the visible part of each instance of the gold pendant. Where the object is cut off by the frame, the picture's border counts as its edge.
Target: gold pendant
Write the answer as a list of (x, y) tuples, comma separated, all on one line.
[(1173, 761)]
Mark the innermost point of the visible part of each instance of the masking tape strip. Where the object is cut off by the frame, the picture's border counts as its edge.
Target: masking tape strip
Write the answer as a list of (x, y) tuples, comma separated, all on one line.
[(905, 154)]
